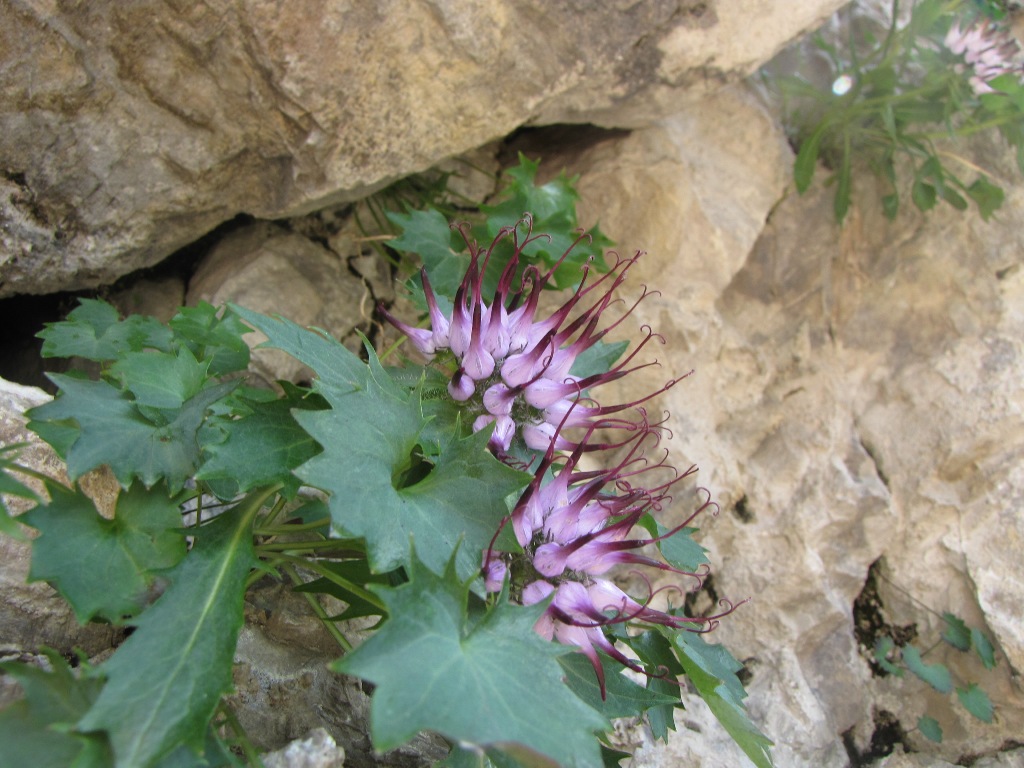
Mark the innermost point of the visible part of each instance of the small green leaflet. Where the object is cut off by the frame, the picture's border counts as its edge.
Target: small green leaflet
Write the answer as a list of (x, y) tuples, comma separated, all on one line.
[(987, 195), (956, 633), (370, 436), (165, 681), (713, 671), (103, 567), (37, 731), (983, 647), (599, 358), (212, 338), (95, 331), (930, 728), (976, 701), (679, 550), (113, 431), (883, 647), (936, 675), (483, 682)]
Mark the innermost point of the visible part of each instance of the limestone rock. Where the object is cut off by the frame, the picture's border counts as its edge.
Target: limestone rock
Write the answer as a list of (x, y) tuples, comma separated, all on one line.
[(270, 270), (129, 130), (317, 750), (856, 397)]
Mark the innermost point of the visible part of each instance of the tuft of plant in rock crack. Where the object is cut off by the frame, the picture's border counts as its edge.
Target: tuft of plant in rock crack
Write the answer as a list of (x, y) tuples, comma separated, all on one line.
[(932, 71), (478, 504)]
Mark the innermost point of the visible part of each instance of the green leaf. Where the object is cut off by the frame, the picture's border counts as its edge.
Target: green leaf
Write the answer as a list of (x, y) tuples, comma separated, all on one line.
[(930, 728), (956, 633), (347, 582), (599, 358), (952, 197), (165, 681), (370, 438), (807, 160), (37, 731), (681, 551), (95, 331), (712, 670), (552, 207), (11, 487), (883, 647), (987, 196), (486, 683), (976, 701), (429, 235), (313, 348), (936, 675), (663, 669), (217, 340), (104, 567), (923, 195), (113, 431), (983, 647), (264, 447), (623, 697), (161, 379)]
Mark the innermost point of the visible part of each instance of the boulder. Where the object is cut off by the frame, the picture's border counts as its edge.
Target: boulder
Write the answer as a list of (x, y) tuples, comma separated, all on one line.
[(129, 130), (268, 269)]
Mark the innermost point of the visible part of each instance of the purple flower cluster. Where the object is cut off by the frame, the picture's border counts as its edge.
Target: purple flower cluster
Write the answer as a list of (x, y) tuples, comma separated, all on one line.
[(508, 367), (572, 524), (988, 49)]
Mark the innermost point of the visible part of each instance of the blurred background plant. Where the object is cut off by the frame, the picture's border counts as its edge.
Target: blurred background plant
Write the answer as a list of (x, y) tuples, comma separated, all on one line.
[(900, 83)]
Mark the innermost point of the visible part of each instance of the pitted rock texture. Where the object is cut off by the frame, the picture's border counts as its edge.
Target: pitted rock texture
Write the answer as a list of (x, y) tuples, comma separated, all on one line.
[(856, 400), (128, 130)]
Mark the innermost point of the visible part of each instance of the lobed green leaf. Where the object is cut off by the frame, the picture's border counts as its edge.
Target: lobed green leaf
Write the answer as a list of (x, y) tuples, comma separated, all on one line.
[(104, 567), (262, 448), (214, 336), (38, 730), (486, 683), (930, 728), (987, 196), (370, 437), (112, 430), (883, 647), (977, 702), (95, 331), (956, 632)]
